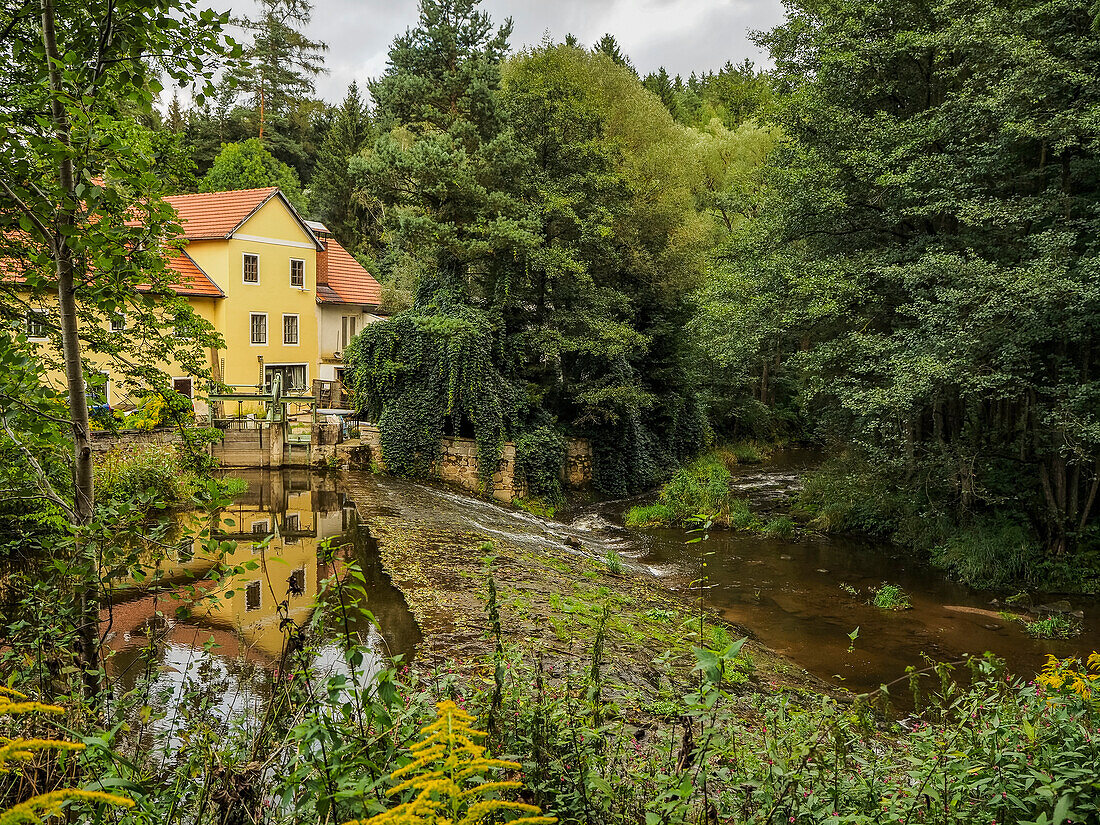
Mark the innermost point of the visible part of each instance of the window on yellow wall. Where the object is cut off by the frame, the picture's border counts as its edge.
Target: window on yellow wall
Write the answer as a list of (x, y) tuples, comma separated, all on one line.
[(297, 273), (36, 324), (250, 265), (290, 330), (252, 596), (258, 327)]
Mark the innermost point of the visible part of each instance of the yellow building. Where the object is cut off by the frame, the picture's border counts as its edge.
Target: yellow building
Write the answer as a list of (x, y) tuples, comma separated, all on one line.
[(283, 293)]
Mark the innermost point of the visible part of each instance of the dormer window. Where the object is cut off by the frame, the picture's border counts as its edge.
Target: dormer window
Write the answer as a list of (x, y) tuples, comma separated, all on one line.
[(297, 273), (251, 268)]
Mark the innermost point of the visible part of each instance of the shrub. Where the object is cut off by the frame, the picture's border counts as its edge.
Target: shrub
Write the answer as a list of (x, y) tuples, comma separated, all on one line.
[(132, 472), (1053, 627), (540, 456), (992, 552), (780, 527)]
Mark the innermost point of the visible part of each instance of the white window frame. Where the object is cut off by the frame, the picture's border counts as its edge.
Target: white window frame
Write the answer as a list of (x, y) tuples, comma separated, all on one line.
[(303, 364), (267, 331), (118, 322), (297, 329), (301, 261), (41, 320), (244, 280)]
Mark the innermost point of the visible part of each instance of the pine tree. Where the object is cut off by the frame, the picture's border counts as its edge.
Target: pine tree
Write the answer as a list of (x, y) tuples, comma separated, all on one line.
[(280, 64), (609, 46), (333, 196), (175, 120)]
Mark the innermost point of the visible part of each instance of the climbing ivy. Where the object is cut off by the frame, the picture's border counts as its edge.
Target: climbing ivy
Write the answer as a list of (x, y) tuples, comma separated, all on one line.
[(428, 371), (540, 456)]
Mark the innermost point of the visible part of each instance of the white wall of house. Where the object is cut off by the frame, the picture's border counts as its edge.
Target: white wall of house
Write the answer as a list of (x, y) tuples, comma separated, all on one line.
[(337, 324)]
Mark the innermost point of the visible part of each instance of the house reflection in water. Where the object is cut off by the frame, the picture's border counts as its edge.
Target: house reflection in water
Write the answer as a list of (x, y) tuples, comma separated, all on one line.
[(199, 629)]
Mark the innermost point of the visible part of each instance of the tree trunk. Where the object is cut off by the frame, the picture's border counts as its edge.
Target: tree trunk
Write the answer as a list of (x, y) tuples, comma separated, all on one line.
[(65, 265)]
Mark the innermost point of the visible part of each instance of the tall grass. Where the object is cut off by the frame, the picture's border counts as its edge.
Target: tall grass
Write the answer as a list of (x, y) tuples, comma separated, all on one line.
[(702, 488)]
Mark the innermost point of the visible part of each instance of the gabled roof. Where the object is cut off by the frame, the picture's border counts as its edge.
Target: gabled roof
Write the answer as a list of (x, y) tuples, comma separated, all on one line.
[(190, 279), (345, 281), (209, 216)]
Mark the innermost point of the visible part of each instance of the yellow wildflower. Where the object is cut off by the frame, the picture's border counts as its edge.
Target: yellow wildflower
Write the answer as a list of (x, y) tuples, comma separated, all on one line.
[(445, 758)]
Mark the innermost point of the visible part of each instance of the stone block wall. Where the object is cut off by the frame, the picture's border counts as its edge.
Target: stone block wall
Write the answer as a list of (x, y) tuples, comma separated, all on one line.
[(103, 442), (577, 472), (458, 464)]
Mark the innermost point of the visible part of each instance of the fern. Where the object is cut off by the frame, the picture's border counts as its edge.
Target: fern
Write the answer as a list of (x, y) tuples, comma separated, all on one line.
[(448, 775)]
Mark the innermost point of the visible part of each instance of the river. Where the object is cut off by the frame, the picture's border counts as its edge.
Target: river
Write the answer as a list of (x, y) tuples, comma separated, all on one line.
[(789, 592)]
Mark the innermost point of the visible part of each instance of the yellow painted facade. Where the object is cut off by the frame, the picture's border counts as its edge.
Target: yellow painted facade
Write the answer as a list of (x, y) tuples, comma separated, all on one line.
[(275, 238)]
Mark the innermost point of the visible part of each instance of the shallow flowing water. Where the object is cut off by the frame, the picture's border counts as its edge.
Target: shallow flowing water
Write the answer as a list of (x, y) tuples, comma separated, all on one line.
[(792, 593)]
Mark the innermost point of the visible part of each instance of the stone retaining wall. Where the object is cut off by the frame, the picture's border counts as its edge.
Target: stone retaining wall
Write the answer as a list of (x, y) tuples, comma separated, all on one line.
[(103, 441), (458, 464)]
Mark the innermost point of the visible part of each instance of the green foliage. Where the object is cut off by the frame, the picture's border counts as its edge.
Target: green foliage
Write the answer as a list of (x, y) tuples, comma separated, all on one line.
[(540, 457), (925, 246), (731, 95), (614, 562), (157, 475), (1053, 627), (891, 597), (248, 165), (780, 526), (649, 515), (426, 370), (333, 198)]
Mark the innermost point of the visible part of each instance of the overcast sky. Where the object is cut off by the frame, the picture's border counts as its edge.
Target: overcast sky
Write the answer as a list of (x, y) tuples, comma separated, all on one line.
[(681, 35)]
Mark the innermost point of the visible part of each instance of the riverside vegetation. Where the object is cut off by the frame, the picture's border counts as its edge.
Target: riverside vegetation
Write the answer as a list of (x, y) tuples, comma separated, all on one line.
[(886, 244), (712, 741)]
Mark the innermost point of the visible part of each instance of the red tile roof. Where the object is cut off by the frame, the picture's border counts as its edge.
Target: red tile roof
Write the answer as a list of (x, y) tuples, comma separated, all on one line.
[(342, 280), (190, 279), (212, 215)]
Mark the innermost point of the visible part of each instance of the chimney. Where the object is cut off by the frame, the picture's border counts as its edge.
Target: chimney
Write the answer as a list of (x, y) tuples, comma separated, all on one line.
[(322, 262)]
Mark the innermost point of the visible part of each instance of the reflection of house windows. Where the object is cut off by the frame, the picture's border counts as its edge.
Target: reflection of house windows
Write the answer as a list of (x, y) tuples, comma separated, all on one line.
[(252, 596), (291, 525), (259, 528), (296, 583)]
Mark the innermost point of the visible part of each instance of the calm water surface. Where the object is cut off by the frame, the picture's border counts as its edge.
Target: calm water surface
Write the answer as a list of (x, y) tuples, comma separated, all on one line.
[(790, 594)]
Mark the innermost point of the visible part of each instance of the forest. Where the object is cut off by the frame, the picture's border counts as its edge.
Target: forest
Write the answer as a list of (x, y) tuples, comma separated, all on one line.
[(885, 245), (882, 245)]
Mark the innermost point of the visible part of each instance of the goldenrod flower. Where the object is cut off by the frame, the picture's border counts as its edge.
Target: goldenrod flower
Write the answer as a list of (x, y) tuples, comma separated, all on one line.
[(443, 760)]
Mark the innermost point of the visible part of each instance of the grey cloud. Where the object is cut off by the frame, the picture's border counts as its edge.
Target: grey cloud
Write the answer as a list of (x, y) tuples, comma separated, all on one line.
[(681, 35)]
